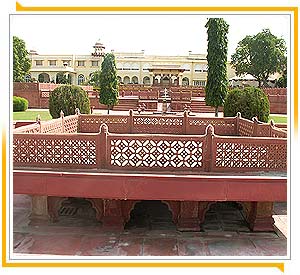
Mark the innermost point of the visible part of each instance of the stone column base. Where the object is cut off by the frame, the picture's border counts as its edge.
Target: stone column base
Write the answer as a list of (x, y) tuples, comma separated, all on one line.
[(259, 215)]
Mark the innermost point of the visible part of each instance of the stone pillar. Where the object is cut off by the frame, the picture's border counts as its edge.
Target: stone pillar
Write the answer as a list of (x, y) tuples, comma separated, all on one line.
[(188, 219), (180, 79), (259, 215), (39, 208), (73, 79), (151, 79), (112, 215), (203, 207)]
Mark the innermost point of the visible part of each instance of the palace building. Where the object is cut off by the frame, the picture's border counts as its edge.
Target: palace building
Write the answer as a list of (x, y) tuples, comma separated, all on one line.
[(132, 68)]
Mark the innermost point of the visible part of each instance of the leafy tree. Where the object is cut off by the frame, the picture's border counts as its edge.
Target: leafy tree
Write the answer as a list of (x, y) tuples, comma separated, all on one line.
[(67, 98), (250, 102), (95, 80), (281, 82), (217, 82), (22, 63), (61, 78), (109, 88), (260, 55)]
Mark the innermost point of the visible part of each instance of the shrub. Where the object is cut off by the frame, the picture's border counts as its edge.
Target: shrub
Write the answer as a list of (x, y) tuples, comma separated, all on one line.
[(67, 98), (20, 104), (250, 102)]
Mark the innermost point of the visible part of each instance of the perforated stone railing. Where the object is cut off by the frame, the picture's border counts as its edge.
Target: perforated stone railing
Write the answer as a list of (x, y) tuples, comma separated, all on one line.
[(256, 128), (65, 151), (148, 152), (248, 154), (68, 124), (156, 124), (159, 152), (177, 124)]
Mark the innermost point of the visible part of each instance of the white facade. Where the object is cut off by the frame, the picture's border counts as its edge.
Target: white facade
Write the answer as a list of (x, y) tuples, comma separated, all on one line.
[(131, 67)]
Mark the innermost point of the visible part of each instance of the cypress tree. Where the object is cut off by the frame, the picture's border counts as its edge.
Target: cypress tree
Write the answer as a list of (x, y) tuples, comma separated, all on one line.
[(109, 88), (217, 82)]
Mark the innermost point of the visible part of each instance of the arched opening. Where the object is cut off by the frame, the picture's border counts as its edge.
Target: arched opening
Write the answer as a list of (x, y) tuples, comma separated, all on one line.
[(225, 216), (146, 80), (119, 79), (165, 81), (78, 211), (80, 79), (44, 78), (185, 81), (135, 80), (151, 215), (62, 78), (126, 80), (27, 78)]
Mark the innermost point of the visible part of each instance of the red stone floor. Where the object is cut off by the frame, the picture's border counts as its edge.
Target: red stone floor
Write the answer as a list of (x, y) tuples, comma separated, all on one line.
[(224, 235)]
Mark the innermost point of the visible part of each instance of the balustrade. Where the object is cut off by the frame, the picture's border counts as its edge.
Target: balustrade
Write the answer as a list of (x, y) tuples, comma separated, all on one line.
[(160, 152)]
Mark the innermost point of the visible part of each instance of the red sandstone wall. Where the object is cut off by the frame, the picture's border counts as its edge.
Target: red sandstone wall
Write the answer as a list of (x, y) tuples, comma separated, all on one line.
[(37, 94), (30, 91), (278, 100)]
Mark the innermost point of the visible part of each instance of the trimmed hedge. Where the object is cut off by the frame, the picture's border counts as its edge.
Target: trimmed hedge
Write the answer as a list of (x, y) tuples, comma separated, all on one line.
[(20, 104), (250, 102), (67, 98)]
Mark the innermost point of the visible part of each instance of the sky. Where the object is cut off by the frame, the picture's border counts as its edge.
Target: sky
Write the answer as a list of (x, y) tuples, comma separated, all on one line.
[(156, 34)]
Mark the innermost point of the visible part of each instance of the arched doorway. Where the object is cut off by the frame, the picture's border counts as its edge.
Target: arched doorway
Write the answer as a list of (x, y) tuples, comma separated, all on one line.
[(44, 78), (126, 80), (27, 78), (225, 216), (150, 215), (81, 79), (119, 79), (146, 80), (135, 80), (185, 81), (77, 210), (165, 81)]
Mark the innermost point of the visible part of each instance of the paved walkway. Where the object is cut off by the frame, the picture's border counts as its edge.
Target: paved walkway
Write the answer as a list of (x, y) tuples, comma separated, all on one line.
[(147, 234)]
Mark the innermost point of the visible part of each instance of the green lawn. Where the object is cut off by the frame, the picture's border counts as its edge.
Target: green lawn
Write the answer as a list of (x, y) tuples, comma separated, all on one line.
[(31, 115), (45, 115), (278, 119)]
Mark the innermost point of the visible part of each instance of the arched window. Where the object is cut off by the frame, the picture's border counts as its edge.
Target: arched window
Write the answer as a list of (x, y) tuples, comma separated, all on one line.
[(126, 80), (44, 78), (27, 78), (80, 79), (135, 80), (185, 81), (119, 79), (146, 80)]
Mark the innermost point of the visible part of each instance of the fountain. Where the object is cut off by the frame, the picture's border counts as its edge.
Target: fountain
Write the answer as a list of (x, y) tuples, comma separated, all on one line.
[(164, 104)]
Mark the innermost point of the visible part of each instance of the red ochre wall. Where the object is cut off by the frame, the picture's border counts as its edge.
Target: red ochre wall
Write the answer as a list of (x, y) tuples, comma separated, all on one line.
[(33, 93)]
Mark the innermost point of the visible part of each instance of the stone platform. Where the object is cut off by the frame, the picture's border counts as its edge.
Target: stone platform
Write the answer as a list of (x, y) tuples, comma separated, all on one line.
[(146, 234)]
